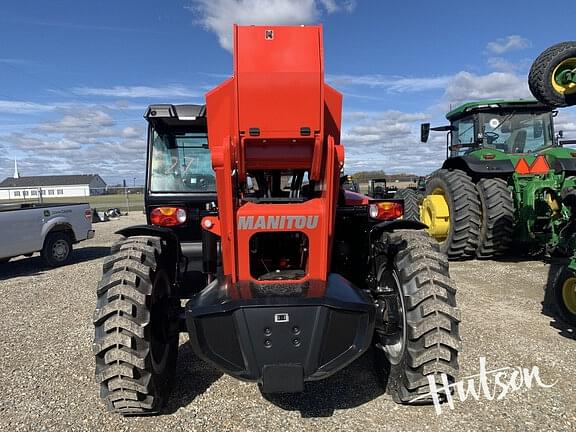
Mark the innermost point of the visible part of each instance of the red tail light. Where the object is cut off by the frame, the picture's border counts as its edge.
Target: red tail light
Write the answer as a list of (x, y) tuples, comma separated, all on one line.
[(386, 210), (88, 215), (168, 216)]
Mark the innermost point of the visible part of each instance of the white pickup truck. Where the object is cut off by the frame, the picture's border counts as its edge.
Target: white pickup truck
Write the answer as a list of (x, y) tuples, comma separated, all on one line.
[(50, 229)]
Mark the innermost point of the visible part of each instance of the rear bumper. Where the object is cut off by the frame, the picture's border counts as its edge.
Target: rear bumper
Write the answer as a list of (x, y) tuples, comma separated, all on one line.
[(280, 342)]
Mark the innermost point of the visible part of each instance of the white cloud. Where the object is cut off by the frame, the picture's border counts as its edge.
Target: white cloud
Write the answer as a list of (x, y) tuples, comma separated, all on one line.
[(218, 16), (509, 43), (466, 86), (167, 91), (391, 83), (23, 107)]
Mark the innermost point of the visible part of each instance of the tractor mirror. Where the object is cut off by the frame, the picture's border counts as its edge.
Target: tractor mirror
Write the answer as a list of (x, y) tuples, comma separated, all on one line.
[(424, 132)]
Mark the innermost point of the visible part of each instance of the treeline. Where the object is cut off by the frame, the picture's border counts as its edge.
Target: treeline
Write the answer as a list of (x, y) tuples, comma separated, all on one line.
[(364, 176)]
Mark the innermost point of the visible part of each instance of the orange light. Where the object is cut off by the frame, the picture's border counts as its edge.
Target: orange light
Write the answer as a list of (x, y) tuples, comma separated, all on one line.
[(539, 166), (168, 216), (522, 167), (386, 210)]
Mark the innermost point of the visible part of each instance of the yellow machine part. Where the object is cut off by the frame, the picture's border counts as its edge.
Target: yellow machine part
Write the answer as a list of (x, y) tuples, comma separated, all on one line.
[(569, 63), (435, 213), (569, 294)]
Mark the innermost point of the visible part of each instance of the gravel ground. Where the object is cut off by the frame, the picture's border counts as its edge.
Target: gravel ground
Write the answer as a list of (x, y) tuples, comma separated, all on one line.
[(47, 368)]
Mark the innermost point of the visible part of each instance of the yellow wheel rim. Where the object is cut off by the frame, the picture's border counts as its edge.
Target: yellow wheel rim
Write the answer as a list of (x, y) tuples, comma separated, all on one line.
[(567, 64), (435, 213), (569, 294)]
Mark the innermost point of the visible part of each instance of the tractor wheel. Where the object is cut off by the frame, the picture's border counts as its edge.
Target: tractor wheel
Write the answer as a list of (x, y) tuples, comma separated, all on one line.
[(411, 203), (420, 338), (497, 217), (57, 248), (564, 296), (545, 77), (136, 328), (451, 210)]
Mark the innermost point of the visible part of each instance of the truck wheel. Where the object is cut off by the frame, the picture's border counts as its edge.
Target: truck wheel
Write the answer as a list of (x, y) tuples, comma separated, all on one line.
[(564, 296), (417, 300), (411, 203), (545, 74), (451, 210), (497, 217), (57, 248), (136, 328)]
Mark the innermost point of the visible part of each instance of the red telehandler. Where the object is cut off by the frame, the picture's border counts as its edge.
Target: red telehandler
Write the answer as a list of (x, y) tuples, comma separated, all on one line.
[(301, 276)]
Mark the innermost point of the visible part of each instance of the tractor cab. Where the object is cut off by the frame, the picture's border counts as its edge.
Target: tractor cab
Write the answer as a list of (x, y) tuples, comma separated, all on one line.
[(510, 127), (180, 182)]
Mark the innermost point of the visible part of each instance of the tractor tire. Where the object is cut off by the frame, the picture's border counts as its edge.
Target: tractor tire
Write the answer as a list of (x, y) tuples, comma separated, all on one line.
[(57, 248), (136, 328), (497, 217), (423, 340), (411, 203), (460, 194), (541, 78), (564, 296)]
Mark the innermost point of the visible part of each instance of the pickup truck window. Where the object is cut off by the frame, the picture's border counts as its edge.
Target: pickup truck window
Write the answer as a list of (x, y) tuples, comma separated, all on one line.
[(181, 163)]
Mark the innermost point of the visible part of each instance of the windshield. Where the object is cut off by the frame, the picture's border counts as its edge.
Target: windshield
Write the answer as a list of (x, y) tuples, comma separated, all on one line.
[(181, 163), (517, 132)]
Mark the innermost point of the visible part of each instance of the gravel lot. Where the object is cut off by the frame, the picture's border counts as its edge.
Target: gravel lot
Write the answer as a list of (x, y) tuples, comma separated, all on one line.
[(47, 368)]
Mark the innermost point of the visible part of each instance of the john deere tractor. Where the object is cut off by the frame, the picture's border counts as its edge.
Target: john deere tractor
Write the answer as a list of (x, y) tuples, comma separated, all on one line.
[(552, 80), (502, 184), (508, 183)]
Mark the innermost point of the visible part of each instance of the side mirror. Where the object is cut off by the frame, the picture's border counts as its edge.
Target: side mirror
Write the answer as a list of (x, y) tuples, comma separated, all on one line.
[(424, 132)]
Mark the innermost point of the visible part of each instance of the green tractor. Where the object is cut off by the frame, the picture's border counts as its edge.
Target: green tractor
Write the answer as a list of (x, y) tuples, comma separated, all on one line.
[(552, 80), (508, 184), (501, 184)]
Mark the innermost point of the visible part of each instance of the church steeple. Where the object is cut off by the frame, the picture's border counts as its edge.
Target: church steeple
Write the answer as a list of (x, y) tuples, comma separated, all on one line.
[(16, 173)]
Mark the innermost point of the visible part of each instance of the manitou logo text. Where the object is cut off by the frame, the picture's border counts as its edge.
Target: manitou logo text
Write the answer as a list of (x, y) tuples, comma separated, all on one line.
[(277, 222)]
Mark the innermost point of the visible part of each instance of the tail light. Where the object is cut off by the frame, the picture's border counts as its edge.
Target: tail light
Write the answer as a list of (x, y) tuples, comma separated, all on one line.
[(168, 216), (386, 210), (88, 214)]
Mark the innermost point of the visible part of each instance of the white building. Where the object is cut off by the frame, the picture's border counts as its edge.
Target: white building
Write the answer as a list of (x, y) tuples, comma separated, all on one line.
[(51, 186)]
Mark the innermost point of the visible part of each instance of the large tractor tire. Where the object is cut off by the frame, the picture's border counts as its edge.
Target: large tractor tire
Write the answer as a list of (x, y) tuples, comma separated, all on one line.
[(418, 299), (497, 217), (564, 296), (545, 77), (136, 328), (411, 203), (451, 210)]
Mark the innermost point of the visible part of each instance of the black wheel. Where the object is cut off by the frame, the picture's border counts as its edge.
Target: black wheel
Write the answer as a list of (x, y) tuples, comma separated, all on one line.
[(546, 77), (411, 203), (416, 302), (564, 296), (136, 328), (451, 210), (57, 248), (497, 217)]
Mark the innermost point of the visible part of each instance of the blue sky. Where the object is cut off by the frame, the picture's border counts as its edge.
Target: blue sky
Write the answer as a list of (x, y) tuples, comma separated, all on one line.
[(76, 76)]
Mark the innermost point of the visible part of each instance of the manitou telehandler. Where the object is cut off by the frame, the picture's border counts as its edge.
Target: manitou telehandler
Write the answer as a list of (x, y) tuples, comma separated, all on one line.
[(300, 277)]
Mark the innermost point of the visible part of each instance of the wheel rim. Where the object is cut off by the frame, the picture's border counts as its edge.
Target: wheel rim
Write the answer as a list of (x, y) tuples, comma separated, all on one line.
[(435, 213), (557, 83), (393, 344), (160, 324), (60, 250), (569, 294)]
